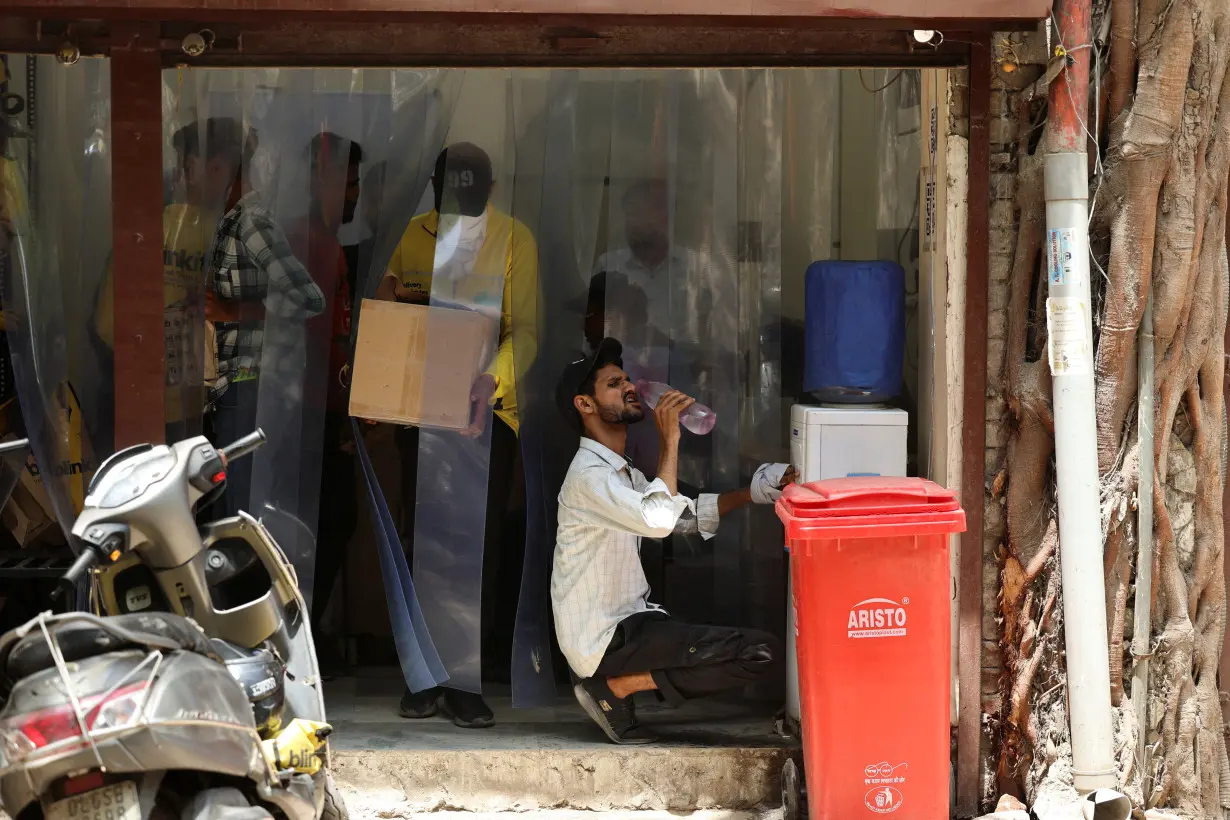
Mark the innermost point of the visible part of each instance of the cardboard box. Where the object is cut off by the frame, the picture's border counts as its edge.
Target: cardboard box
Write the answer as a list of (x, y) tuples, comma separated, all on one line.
[(23, 517), (27, 513), (415, 364)]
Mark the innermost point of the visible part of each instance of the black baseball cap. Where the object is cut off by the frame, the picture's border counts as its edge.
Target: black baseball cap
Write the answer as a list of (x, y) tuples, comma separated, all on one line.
[(608, 351), (463, 172)]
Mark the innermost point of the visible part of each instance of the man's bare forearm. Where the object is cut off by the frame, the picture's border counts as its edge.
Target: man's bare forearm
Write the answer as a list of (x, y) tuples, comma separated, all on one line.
[(733, 500), (668, 464), (666, 417)]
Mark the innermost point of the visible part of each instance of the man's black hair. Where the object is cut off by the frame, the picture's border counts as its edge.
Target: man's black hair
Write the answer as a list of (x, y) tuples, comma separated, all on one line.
[(331, 145), (187, 142), (632, 302), (224, 137), (601, 282), (595, 301)]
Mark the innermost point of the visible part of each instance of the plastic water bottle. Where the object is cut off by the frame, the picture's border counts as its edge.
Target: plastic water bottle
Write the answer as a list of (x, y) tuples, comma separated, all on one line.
[(696, 419)]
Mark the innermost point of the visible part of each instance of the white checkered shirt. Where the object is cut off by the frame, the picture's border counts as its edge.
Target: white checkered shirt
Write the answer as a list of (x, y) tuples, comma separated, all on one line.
[(605, 507)]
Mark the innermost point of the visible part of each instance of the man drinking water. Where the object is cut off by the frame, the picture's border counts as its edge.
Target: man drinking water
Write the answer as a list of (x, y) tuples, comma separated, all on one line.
[(616, 642)]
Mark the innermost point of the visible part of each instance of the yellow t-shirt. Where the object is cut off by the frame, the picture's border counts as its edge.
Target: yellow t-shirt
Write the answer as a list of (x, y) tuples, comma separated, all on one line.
[(12, 193), (186, 237), (14, 210), (508, 251)]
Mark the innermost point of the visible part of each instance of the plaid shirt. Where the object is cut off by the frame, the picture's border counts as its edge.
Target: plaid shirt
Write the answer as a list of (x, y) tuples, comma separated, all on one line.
[(251, 261)]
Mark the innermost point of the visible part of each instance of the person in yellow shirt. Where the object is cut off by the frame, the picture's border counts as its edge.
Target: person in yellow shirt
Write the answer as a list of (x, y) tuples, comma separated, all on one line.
[(209, 156), (455, 264)]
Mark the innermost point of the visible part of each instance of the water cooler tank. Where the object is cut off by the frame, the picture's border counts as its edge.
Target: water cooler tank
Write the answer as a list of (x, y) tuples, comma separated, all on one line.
[(855, 337), (835, 441)]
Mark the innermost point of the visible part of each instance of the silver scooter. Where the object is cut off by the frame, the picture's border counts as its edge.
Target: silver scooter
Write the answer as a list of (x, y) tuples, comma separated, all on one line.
[(173, 706)]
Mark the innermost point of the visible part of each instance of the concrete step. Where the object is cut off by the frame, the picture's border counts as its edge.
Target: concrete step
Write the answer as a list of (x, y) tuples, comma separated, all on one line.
[(767, 814), (711, 757), (397, 783)]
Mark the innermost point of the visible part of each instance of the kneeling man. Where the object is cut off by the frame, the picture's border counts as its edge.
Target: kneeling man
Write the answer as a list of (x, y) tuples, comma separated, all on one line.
[(617, 642)]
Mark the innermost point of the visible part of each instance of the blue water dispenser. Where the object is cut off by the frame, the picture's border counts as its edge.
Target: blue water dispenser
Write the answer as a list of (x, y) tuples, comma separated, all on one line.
[(855, 331)]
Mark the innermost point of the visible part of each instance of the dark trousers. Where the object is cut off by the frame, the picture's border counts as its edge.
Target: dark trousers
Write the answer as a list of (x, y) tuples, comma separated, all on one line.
[(503, 551), (338, 513), (688, 661), (407, 440), (503, 541), (235, 417)]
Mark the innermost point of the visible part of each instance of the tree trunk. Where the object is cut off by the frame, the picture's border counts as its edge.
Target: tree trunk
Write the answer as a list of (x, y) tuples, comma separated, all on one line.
[(1158, 227)]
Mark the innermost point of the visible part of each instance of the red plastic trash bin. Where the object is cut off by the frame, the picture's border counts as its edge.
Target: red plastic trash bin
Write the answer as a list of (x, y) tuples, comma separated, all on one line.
[(869, 562)]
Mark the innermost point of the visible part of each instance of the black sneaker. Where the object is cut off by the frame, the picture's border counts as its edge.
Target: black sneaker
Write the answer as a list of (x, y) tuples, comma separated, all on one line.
[(467, 710), (331, 661), (614, 716), (419, 705)]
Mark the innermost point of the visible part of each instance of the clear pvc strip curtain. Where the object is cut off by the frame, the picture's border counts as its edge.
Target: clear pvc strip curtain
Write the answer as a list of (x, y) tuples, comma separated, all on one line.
[(897, 101), (763, 410), (296, 244), (663, 204), (562, 121), (194, 199), (467, 252), (395, 184), (55, 226)]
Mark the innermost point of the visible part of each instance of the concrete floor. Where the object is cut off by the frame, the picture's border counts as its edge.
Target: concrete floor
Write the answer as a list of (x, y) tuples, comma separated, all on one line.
[(363, 711)]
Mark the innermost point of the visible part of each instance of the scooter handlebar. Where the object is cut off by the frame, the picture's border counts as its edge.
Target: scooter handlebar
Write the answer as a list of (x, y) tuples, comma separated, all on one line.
[(87, 560), (11, 447), (243, 446)]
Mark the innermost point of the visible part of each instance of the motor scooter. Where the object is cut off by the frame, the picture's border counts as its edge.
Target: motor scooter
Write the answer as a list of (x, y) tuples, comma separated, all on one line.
[(198, 695)]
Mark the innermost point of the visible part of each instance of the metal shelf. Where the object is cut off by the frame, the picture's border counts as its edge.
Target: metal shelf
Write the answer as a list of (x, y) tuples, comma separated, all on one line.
[(34, 563)]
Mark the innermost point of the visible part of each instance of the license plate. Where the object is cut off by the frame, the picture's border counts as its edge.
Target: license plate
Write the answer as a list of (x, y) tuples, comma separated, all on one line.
[(118, 801)]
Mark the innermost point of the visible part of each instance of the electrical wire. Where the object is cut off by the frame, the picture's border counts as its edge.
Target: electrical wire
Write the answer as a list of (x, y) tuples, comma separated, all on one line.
[(884, 87)]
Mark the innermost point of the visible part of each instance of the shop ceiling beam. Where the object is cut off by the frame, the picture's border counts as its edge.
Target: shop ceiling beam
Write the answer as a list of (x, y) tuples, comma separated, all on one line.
[(478, 39), (516, 40), (908, 13), (136, 159), (974, 436), (24, 35)]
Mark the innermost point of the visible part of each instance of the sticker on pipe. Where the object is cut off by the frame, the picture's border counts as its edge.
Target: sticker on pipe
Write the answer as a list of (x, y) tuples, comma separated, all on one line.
[(1067, 323), (1061, 248), (877, 618)]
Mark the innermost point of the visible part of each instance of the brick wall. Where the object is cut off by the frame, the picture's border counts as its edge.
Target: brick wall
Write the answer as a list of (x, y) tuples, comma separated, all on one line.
[(1003, 130)]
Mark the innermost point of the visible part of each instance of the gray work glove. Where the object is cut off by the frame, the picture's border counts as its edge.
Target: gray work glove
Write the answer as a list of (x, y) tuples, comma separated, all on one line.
[(767, 483)]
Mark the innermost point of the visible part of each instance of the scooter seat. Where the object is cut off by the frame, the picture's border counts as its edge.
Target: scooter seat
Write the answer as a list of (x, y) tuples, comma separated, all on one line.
[(79, 640)]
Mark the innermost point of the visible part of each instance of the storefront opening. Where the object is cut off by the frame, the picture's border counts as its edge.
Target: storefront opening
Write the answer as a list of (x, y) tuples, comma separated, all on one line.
[(677, 210)]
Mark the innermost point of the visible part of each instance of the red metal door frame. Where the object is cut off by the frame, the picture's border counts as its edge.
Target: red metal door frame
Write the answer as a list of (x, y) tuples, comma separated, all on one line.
[(974, 436), (136, 192)]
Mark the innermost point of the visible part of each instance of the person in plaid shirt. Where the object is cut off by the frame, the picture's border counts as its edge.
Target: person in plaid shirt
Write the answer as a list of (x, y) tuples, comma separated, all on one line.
[(252, 269)]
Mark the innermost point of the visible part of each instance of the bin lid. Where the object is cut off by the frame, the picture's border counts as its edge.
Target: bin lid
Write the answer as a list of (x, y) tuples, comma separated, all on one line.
[(869, 503)]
